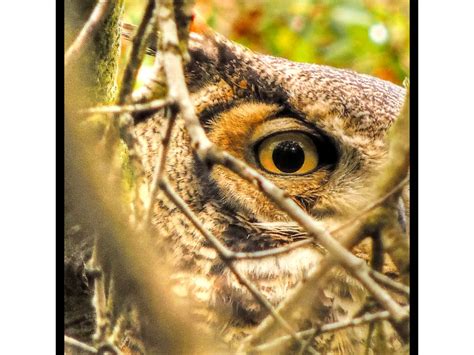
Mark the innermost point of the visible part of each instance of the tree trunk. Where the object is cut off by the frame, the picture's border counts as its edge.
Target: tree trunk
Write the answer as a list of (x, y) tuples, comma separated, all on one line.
[(90, 79)]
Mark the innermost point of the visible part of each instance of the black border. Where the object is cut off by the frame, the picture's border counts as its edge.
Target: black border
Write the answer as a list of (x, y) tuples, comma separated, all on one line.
[(60, 176), (414, 176)]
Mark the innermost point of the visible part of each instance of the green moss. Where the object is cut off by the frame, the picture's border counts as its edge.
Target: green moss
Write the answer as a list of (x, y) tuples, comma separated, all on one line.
[(91, 79), (107, 43)]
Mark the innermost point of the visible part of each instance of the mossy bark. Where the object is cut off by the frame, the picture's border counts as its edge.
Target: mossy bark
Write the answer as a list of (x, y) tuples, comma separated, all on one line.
[(90, 79)]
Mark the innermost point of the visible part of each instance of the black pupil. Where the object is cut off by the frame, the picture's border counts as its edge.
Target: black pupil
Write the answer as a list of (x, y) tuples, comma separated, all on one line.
[(288, 156)]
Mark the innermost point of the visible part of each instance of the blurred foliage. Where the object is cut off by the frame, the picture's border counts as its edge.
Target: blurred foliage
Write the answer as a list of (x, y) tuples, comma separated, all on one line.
[(368, 36)]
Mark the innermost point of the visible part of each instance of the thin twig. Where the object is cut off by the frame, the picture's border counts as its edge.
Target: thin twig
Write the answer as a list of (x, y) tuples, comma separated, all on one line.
[(397, 245), (159, 171), (139, 44), (311, 289), (97, 16), (271, 252), (154, 86), (83, 347), (99, 298), (368, 341), (391, 284), (156, 82), (326, 328), (372, 206), (377, 259), (147, 106), (308, 341)]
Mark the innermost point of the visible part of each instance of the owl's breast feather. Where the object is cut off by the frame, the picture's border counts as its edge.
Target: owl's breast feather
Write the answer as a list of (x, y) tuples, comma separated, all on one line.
[(274, 276)]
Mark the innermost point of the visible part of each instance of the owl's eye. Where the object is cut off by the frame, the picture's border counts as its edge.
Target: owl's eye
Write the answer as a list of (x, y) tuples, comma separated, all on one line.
[(288, 153)]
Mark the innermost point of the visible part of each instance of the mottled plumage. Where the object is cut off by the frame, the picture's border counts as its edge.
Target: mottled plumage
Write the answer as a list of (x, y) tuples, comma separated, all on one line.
[(241, 96)]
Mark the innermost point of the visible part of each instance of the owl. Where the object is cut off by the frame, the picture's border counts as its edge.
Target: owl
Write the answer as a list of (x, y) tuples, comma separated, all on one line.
[(315, 131)]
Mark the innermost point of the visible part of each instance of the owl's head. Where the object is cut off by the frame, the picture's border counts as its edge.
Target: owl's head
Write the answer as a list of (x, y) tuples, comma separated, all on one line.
[(317, 132)]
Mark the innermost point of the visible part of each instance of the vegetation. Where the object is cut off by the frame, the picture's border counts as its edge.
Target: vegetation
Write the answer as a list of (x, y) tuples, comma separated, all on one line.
[(368, 36)]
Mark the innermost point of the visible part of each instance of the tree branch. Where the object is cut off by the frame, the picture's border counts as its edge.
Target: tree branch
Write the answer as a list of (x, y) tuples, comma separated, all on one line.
[(78, 345), (139, 44), (389, 283), (97, 16), (326, 328), (147, 106)]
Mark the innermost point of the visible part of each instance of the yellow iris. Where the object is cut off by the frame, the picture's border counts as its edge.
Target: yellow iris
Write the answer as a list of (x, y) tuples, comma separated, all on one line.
[(288, 153)]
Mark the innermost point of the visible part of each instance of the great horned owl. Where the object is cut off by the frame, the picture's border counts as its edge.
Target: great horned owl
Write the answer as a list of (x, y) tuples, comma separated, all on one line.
[(315, 131)]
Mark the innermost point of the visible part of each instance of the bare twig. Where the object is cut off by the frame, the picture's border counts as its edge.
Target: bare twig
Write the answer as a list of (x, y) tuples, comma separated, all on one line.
[(139, 44), (368, 340), (397, 245), (391, 284), (147, 106), (177, 89), (97, 16), (155, 83), (99, 298), (326, 328), (78, 345), (271, 252), (372, 206), (159, 171), (155, 86)]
